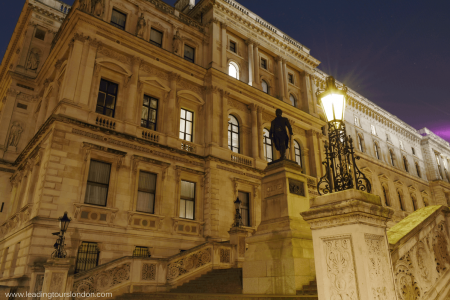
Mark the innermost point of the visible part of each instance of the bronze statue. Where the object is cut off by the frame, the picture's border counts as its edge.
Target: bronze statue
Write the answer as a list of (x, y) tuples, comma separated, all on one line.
[(279, 135)]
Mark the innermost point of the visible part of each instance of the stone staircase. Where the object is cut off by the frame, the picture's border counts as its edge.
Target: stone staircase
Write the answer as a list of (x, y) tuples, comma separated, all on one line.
[(221, 281), (310, 289)]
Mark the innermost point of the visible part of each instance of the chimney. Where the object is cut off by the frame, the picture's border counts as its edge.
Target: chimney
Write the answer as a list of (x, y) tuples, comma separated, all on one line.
[(184, 5)]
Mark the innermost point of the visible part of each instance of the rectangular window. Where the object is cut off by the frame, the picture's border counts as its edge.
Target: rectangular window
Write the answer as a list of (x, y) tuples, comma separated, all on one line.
[(107, 97), (187, 200), (186, 122), (87, 257), (413, 151), (146, 192), (401, 145), (149, 112), (141, 251), (118, 19), (189, 53), (98, 183), (291, 78), (39, 34), (232, 46), (357, 122), (156, 37), (245, 208), (263, 63), (387, 137), (374, 130)]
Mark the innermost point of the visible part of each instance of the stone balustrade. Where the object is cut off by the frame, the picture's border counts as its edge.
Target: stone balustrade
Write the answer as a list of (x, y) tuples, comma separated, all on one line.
[(241, 159)]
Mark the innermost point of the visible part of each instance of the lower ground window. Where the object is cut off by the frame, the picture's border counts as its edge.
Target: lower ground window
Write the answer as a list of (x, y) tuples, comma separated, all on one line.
[(87, 258), (245, 208), (141, 251)]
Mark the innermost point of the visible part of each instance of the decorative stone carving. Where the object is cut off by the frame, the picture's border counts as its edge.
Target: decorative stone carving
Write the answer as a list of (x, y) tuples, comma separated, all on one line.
[(149, 272), (237, 105), (34, 59), (176, 44), (406, 283), (225, 255), (188, 263), (103, 280), (14, 134), (440, 247), (56, 282), (115, 55), (85, 5), (38, 284), (340, 268), (141, 25), (296, 187), (98, 8)]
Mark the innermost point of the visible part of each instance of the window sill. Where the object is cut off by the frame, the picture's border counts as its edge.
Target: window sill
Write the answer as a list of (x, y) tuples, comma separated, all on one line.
[(186, 226)]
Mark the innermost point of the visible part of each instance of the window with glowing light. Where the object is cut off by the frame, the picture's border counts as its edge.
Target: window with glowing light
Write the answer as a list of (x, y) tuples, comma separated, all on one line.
[(360, 143), (233, 134), (392, 157), (265, 86), (298, 153), (233, 70), (377, 151), (292, 98), (267, 146)]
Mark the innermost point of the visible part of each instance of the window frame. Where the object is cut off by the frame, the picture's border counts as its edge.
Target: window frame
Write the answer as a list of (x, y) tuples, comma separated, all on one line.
[(234, 50), (360, 142), (267, 145), (400, 200), (386, 198), (418, 170), (291, 78), (373, 129), (268, 87), (150, 109), (146, 191), (377, 151), (405, 164), (193, 51), (153, 42), (186, 199), (231, 133), (96, 183), (263, 64), (78, 257), (357, 123), (141, 249), (248, 209), (236, 66), (39, 30), (104, 107), (299, 154), (391, 156), (295, 100), (185, 123), (122, 13)]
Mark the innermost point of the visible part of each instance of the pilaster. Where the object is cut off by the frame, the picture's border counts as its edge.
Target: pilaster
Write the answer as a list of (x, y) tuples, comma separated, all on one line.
[(73, 67), (255, 134), (224, 47), (224, 130), (256, 82), (260, 133), (170, 112), (280, 76), (249, 43), (88, 74), (130, 111)]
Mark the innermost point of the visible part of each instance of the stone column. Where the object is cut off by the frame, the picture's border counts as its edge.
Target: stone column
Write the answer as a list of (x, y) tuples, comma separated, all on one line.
[(73, 67), (130, 110), (224, 47), (88, 74), (307, 95), (216, 56), (256, 64), (237, 238), (171, 115), (260, 133), (279, 259), (350, 246), (249, 43), (55, 276), (285, 81), (280, 76), (255, 145)]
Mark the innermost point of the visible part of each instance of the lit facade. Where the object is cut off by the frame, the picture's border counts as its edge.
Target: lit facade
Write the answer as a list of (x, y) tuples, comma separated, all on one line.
[(145, 122)]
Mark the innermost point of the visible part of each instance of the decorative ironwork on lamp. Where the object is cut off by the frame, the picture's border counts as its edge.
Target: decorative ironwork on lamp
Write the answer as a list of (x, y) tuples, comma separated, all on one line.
[(237, 216), (60, 252), (342, 173)]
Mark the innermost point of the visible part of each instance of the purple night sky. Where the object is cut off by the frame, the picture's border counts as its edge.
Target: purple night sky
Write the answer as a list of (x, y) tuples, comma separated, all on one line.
[(394, 53)]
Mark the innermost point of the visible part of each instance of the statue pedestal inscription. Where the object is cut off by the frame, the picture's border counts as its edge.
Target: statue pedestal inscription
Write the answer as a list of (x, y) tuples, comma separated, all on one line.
[(279, 259), (351, 246)]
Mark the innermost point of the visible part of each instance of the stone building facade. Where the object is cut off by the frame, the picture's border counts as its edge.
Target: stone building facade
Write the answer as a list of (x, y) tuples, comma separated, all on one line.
[(145, 122)]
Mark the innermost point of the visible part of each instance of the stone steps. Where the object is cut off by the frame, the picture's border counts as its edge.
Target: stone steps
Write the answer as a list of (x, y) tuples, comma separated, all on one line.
[(203, 296), (221, 281), (310, 289)]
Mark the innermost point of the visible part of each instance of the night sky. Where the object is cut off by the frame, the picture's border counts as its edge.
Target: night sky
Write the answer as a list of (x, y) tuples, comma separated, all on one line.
[(394, 53)]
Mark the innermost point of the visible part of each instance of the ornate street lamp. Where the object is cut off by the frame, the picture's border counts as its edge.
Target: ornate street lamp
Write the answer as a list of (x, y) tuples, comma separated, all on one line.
[(237, 216), (60, 252), (342, 173)]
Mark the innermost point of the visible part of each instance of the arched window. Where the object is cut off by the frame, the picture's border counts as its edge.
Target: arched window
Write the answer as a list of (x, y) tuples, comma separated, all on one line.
[(405, 164), (298, 153), (292, 98), (233, 134), (233, 70), (418, 170), (267, 146), (392, 157), (265, 86), (400, 200), (377, 151), (360, 143), (386, 201)]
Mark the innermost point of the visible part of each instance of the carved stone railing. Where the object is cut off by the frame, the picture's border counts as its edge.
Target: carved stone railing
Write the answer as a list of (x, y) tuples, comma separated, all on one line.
[(153, 274), (150, 135), (241, 159), (106, 122), (188, 147), (420, 251)]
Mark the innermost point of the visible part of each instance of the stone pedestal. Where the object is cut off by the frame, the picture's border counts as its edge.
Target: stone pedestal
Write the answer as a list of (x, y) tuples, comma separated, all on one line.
[(351, 246), (279, 259), (55, 276), (237, 237)]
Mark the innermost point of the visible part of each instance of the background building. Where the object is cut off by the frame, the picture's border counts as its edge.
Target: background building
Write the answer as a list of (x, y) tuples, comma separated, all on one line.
[(146, 121)]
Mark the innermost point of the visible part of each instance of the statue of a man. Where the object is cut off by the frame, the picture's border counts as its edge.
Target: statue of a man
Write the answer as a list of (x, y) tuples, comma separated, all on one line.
[(279, 135)]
